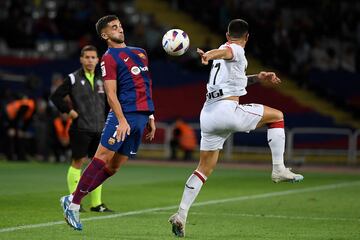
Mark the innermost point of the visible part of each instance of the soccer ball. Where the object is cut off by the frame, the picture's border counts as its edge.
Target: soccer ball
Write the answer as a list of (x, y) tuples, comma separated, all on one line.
[(175, 42)]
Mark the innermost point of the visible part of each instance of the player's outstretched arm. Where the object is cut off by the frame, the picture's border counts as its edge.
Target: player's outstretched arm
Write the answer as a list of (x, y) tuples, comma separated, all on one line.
[(151, 128), (123, 128), (263, 77), (225, 54)]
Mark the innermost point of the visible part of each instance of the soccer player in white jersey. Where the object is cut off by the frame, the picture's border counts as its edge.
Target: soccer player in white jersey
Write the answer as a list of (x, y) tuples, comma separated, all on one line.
[(222, 115)]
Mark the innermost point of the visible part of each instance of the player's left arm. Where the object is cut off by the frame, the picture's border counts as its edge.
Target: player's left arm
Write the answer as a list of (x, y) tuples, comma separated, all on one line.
[(151, 128), (263, 77), (224, 53), (123, 127)]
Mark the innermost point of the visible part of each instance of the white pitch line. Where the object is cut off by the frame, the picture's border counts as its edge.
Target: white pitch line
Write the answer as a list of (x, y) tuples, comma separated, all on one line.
[(336, 219), (212, 202)]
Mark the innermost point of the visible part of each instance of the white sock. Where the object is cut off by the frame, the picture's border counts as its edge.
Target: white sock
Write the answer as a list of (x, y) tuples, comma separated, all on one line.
[(74, 206), (191, 190), (276, 140)]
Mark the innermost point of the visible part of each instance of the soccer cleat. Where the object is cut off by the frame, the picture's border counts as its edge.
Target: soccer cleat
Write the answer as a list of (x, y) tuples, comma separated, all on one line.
[(178, 225), (285, 176), (101, 208), (73, 219), (65, 202)]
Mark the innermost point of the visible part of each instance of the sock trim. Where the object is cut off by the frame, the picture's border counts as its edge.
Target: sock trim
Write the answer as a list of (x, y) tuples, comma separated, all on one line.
[(200, 176), (108, 171), (98, 160), (279, 124)]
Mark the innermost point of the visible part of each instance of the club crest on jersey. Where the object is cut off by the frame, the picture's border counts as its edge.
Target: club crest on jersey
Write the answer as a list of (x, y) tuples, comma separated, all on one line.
[(142, 55), (137, 69), (111, 141)]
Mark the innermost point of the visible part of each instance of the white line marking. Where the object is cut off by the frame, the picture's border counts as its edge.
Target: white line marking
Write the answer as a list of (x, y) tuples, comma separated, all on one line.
[(268, 216), (236, 199)]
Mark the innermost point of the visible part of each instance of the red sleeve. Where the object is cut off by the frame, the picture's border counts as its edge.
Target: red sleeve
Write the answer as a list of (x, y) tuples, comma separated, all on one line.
[(108, 67), (232, 51)]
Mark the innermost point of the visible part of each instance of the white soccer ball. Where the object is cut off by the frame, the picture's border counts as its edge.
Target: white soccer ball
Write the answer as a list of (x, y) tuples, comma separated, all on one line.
[(175, 42)]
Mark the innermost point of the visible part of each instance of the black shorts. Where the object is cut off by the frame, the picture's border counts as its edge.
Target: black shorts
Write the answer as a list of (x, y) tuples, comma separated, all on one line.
[(83, 144)]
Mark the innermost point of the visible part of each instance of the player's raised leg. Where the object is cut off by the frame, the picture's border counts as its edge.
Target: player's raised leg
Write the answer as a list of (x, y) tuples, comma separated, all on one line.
[(208, 160), (274, 119)]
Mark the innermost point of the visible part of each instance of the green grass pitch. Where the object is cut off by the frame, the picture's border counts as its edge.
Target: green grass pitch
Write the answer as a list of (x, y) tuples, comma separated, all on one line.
[(234, 204)]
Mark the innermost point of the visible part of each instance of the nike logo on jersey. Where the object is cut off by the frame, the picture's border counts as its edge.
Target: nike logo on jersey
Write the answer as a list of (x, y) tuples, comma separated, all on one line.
[(126, 59), (83, 82), (83, 191), (189, 186), (269, 140), (132, 153)]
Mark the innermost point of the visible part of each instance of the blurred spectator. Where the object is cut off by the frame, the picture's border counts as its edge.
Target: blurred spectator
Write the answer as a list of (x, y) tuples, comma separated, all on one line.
[(42, 130), (183, 139), (61, 147), (19, 115)]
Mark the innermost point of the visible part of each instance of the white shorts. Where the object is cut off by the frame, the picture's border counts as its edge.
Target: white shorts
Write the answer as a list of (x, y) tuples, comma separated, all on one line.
[(219, 119)]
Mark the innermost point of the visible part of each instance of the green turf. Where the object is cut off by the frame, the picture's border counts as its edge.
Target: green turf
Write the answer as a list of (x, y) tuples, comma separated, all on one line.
[(30, 192)]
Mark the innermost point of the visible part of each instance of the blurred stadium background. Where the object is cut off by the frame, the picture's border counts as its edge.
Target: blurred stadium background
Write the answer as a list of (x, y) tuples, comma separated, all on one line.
[(313, 46)]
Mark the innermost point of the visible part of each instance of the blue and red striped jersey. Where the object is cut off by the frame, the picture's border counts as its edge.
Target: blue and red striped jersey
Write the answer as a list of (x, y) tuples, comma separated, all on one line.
[(129, 67)]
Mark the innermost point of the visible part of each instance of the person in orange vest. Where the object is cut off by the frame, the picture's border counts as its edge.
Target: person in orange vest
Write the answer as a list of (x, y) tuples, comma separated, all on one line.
[(184, 138), (61, 126), (19, 114)]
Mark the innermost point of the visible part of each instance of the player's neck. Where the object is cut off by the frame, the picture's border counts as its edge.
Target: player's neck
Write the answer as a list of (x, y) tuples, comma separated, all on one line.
[(240, 42), (116, 45)]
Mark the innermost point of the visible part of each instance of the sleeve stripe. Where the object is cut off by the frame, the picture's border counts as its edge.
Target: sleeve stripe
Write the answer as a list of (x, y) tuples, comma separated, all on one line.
[(72, 78), (232, 52)]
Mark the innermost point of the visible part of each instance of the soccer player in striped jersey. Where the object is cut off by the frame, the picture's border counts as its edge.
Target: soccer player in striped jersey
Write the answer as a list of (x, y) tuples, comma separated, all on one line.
[(127, 85), (222, 115)]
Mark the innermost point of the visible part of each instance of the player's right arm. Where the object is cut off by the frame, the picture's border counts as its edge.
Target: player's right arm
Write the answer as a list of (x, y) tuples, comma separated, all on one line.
[(58, 98), (108, 68), (223, 53), (263, 77)]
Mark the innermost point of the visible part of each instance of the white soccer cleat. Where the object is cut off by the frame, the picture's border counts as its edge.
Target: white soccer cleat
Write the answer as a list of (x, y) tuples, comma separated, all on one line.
[(285, 176), (178, 225)]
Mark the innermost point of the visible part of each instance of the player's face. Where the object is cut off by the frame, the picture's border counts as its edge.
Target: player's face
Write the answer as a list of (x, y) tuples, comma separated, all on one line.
[(115, 32), (89, 60)]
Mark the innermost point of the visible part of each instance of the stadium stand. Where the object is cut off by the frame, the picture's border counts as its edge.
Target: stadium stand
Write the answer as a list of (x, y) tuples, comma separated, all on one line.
[(39, 42)]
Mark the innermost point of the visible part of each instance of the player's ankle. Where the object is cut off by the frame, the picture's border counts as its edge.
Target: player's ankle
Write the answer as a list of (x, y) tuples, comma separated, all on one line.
[(74, 206), (278, 167), (182, 213)]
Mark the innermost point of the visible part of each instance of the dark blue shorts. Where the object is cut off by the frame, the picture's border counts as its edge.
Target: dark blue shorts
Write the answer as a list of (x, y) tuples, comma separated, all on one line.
[(130, 145)]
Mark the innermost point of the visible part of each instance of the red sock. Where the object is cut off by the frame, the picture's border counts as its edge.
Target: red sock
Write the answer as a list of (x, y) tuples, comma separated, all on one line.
[(87, 178), (101, 176)]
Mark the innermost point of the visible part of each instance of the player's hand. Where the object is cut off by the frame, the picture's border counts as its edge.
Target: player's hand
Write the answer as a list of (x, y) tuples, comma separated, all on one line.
[(73, 114), (204, 57), (151, 129), (269, 77), (122, 130)]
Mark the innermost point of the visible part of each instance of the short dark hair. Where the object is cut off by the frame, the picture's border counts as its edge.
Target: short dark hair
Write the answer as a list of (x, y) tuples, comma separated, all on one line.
[(237, 28), (102, 22), (87, 48)]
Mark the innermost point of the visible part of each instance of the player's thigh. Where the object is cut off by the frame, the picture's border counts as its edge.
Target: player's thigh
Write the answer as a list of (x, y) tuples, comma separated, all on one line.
[(270, 115), (79, 143), (108, 136), (247, 116), (137, 122), (212, 141)]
